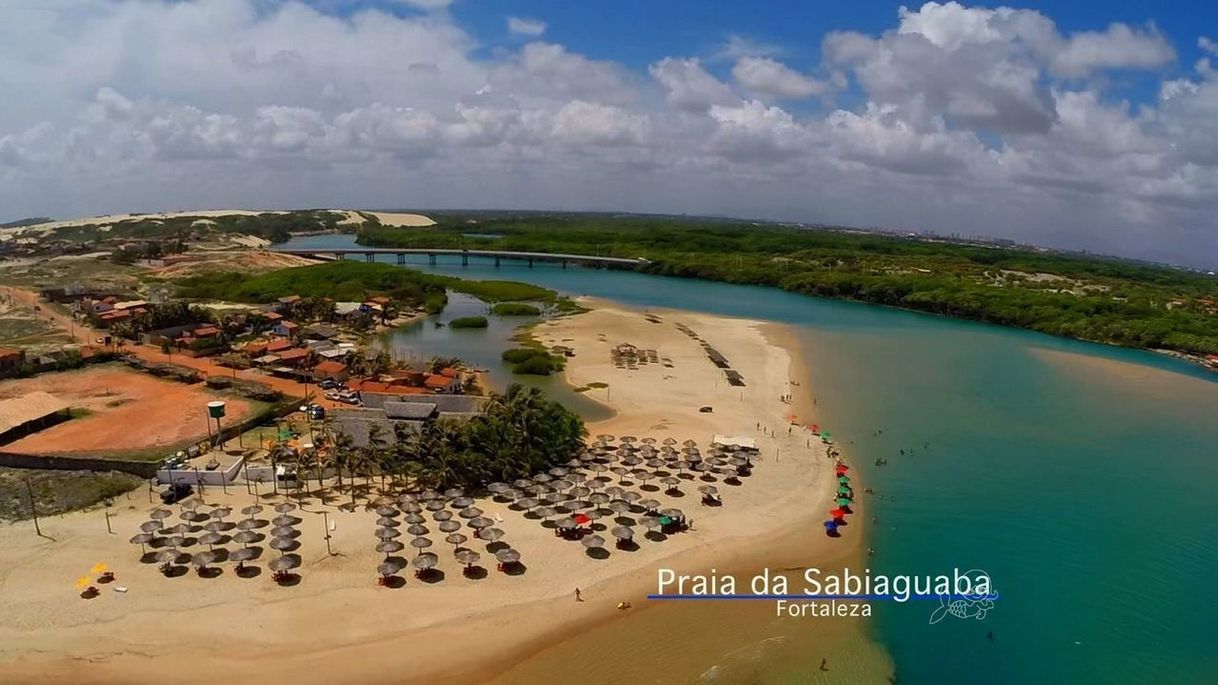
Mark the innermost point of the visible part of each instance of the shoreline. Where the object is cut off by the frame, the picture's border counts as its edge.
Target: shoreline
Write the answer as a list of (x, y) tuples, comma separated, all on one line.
[(383, 656)]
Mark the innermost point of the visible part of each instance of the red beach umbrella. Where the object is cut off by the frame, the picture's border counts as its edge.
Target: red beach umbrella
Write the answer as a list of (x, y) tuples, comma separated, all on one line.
[(837, 513), (581, 519)]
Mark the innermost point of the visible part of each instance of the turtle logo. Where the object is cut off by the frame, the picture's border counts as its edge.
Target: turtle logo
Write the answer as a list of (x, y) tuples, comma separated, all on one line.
[(975, 603)]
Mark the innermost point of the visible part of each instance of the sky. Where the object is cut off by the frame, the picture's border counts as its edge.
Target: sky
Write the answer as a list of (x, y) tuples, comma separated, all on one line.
[(1074, 124)]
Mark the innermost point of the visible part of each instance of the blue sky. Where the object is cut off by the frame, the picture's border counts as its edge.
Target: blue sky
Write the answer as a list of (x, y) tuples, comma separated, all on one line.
[(1086, 125)]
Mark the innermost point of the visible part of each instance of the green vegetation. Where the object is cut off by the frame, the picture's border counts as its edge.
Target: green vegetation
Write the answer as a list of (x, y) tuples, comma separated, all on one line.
[(352, 281), (32, 221), (273, 226), (520, 433), (515, 309), (468, 322), (1080, 296), (56, 492), (533, 360)]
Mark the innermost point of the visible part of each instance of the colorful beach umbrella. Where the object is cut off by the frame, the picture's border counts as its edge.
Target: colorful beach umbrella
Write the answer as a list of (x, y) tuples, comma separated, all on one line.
[(843, 501), (830, 525)]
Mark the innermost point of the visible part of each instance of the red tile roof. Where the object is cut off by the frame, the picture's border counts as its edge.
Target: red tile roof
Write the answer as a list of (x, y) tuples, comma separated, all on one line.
[(294, 353), (438, 381), (278, 345), (330, 367)]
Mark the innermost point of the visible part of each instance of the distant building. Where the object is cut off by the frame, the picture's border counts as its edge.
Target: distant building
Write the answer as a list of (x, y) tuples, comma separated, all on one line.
[(11, 358)]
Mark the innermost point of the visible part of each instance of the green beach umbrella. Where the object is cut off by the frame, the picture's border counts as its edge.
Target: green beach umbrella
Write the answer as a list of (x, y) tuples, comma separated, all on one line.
[(843, 501), (843, 490), (664, 520), (843, 479)]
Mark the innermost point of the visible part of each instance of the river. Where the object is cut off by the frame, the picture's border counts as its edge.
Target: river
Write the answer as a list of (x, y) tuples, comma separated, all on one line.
[(1078, 476)]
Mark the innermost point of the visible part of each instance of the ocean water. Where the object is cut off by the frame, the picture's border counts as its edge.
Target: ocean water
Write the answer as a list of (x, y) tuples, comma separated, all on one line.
[(1080, 477)]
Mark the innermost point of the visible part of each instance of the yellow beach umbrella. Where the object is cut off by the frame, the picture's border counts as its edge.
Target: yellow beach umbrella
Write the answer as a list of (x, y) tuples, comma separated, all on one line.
[(82, 582), (99, 568)]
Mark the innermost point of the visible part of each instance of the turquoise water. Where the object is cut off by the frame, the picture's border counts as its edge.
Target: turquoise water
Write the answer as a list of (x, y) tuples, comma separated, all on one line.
[(1079, 476)]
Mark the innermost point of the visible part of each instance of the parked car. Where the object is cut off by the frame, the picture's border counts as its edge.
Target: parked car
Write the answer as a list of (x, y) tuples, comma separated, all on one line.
[(328, 384)]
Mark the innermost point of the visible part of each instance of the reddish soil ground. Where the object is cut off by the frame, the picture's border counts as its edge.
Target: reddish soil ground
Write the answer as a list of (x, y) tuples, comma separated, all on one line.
[(129, 411)]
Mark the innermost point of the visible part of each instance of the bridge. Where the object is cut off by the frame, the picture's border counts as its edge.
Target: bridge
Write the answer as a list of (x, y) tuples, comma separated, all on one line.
[(370, 254)]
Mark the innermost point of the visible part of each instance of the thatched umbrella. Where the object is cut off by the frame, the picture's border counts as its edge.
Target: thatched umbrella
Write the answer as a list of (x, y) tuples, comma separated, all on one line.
[(203, 559), (243, 555), (621, 472), (467, 556), (418, 529), (527, 503), (456, 539), (283, 531), (247, 524), (442, 515), (555, 497), (167, 556), (284, 507), (412, 508), (708, 489), (462, 502), (176, 541), (592, 541), (211, 539), (542, 478), (671, 481), (631, 461), (619, 506), (141, 539), (572, 505), (670, 441), (579, 492), (192, 516), (415, 518), (522, 483), (649, 522), (150, 526), (648, 440), (470, 512), (575, 463), (283, 564), (632, 496), (490, 534), (449, 526), (497, 487), (245, 537), (282, 544), (420, 543), (671, 513), (545, 512), (406, 499), (158, 514), (598, 498), (386, 511), (623, 532), (283, 520), (425, 561), (389, 568), (565, 523), (605, 437), (558, 471), (649, 504), (654, 464), (383, 500), (251, 510), (388, 522), (387, 533), (220, 513), (480, 522), (434, 505), (454, 492), (428, 495), (507, 556), (388, 547)]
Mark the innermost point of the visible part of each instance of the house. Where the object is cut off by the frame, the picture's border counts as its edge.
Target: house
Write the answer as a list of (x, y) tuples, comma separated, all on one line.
[(439, 383), (294, 356), (112, 317), (330, 370), (321, 332), (273, 317), (205, 332), (10, 358), (276, 346), (254, 349), (286, 329)]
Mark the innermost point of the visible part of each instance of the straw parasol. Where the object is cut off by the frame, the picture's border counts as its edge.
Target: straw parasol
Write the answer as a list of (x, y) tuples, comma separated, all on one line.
[(388, 522), (619, 506), (251, 510), (480, 522), (141, 539), (210, 539), (428, 495), (670, 441), (150, 526), (420, 543), (412, 508), (614, 491), (434, 505), (631, 496), (542, 478), (247, 524), (167, 556), (176, 541), (604, 437), (593, 541), (282, 564), (470, 512), (490, 534), (579, 492), (649, 522), (598, 498), (282, 531), (545, 512), (671, 481), (708, 489), (283, 520), (416, 518), (565, 523), (243, 555), (387, 533), (442, 515), (527, 503), (284, 507), (507, 556), (649, 504), (623, 532), (522, 483), (386, 511), (455, 538), (467, 556), (388, 568), (425, 561), (282, 544), (203, 559), (462, 502), (158, 514), (454, 492), (558, 471), (389, 546), (245, 537), (671, 513), (449, 526), (497, 487), (220, 512), (418, 529)]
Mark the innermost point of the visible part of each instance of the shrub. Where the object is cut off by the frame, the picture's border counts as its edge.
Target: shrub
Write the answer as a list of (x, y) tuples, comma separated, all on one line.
[(515, 309), (468, 322)]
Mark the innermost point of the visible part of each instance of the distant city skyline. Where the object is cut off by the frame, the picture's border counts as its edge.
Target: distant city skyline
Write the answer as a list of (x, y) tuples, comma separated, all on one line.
[(1073, 125)]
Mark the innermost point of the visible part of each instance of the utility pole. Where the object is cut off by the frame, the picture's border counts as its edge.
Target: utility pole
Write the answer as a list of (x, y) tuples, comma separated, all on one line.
[(33, 509), (109, 529), (326, 522)]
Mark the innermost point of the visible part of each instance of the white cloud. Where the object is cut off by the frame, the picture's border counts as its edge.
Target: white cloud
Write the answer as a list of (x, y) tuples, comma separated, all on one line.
[(523, 26), (768, 77), (688, 87), (970, 119)]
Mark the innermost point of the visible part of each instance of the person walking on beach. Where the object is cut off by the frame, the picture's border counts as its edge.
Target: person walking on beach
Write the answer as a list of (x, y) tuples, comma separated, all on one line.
[(824, 664), (579, 597)]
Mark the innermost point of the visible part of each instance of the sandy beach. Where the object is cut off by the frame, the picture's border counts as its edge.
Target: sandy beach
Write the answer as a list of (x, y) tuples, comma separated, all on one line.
[(337, 625)]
